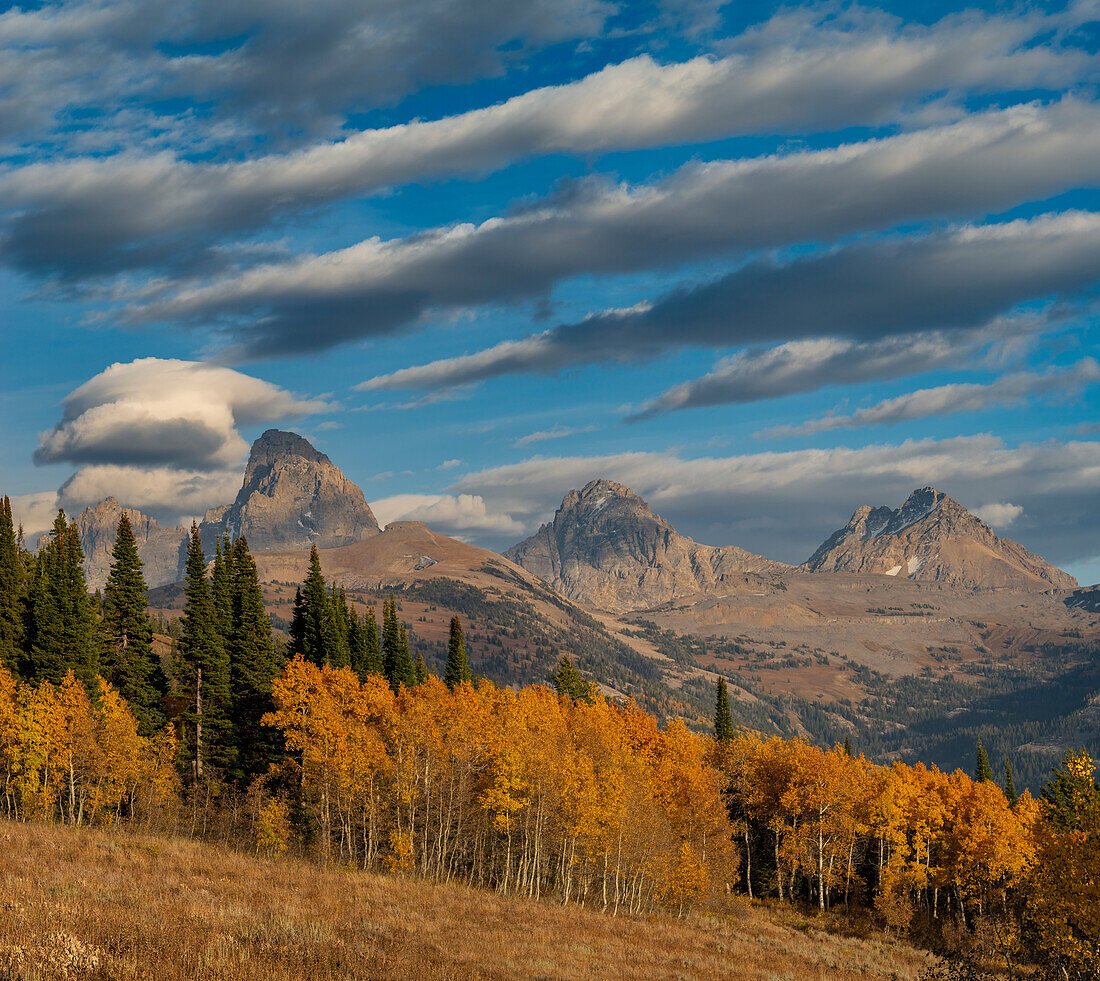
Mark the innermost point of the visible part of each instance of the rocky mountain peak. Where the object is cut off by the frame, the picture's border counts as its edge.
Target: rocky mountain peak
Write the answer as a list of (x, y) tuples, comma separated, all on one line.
[(605, 548), (931, 537), (158, 548), (292, 496)]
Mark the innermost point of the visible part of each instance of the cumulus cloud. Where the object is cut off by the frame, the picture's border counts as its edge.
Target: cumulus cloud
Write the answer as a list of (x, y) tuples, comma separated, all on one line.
[(785, 504), (455, 514), (161, 435), (958, 278), (959, 397), (803, 70), (167, 493), (35, 513), (999, 514), (155, 411)]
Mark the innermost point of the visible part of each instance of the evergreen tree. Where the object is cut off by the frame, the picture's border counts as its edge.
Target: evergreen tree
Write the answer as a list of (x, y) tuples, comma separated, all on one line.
[(62, 630), (316, 613), (372, 656), (297, 630), (847, 746), (128, 659), (252, 669), (1010, 786), (397, 664), (420, 669), (221, 587), (458, 667), (13, 590), (202, 672), (337, 646), (570, 683), (982, 770), (723, 722)]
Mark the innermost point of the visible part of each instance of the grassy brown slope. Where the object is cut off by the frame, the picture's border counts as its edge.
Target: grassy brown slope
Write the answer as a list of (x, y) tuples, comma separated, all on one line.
[(104, 905)]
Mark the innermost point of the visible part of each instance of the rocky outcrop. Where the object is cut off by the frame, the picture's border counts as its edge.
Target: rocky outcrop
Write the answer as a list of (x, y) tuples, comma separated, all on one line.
[(607, 550), (292, 496), (159, 548), (933, 538)]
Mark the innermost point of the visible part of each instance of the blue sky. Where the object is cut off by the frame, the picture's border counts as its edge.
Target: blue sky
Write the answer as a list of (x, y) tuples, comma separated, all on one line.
[(761, 263)]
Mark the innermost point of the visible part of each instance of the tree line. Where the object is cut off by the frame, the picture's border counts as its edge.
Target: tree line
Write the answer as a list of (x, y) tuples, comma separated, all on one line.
[(342, 747)]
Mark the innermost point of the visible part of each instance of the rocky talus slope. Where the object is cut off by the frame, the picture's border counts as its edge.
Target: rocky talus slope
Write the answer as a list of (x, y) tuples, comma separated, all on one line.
[(606, 549), (933, 538)]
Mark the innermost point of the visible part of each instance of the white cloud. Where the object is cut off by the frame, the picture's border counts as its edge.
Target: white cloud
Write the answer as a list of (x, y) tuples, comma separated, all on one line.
[(166, 493), (35, 512), (785, 504), (959, 397), (985, 163), (558, 432), (954, 278), (999, 514), (810, 69), (165, 412), (455, 514)]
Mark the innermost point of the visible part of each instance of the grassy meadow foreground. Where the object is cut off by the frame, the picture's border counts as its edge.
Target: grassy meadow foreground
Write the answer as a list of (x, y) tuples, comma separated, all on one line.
[(93, 903)]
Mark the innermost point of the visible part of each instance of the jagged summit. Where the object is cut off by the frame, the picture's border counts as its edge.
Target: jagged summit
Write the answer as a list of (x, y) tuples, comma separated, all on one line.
[(933, 538), (292, 496), (606, 549)]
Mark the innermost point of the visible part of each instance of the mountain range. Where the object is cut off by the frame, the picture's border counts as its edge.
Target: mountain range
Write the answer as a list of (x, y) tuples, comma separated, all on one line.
[(913, 629)]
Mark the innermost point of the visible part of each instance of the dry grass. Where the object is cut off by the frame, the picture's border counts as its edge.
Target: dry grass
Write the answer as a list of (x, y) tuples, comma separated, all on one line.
[(106, 905)]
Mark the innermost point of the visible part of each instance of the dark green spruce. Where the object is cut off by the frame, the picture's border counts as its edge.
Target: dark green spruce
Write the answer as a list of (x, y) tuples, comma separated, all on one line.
[(458, 666), (982, 770), (201, 674), (723, 721), (252, 670), (128, 659), (62, 628), (13, 590)]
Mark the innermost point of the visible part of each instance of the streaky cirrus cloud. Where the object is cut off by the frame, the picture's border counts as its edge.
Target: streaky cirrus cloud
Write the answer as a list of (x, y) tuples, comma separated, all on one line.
[(165, 412), (97, 215), (258, 71), (955, 398), (759, 500), (759, 373), (987, 162), (954, 279)]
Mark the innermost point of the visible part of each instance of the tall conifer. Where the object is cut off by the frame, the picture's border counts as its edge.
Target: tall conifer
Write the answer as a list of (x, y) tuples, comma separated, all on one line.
[(982, 770), (252, 669), (372, 658), (202, 672), (1010, 786), (337, 646), (458, 666), (128, 658), (13, 590), (723, 722), (316, 613), (62, 627), (221, 587)]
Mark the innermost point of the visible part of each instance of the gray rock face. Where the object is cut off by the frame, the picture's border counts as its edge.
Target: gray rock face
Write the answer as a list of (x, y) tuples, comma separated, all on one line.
[(933, 538), (607, 550), (292, 496), (159, 548)]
